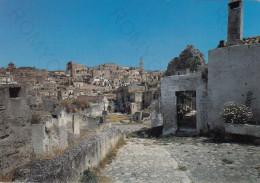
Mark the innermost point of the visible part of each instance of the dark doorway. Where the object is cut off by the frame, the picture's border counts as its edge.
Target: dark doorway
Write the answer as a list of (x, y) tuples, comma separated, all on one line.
[(14, 92), (186, 110)]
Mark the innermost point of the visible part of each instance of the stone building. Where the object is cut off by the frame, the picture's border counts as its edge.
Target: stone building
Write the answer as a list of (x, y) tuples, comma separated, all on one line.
[(76, 70), (11, 67), (99, 105), (233, 72), (131, 99), (111, 75)]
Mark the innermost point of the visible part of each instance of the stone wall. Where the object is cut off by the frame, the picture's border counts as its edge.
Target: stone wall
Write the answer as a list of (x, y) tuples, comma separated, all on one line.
[(148, 97), (56, 134), (233, 72), (156, 115), (99, 106), (23, 139), (130, 94), (169, 86), (96, 110), (69, 166), (76, 70), (15, 130)]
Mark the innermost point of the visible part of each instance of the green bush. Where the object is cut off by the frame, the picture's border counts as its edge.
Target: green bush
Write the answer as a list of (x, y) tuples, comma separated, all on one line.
[(36, 118), (232, 112), (89, 176)]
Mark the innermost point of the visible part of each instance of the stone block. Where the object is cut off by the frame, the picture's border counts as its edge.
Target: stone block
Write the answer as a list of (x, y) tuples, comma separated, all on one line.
[(69, 166), (243, 129)]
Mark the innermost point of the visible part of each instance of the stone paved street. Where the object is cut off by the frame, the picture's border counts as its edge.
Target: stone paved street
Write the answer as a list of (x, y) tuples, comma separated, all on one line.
[(184, 159)]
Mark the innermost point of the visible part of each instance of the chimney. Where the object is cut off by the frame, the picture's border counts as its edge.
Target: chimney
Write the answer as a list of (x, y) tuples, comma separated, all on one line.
[(235, 22)]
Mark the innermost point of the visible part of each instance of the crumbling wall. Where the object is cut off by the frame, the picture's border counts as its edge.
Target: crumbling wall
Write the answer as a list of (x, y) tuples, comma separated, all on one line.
[(156, 115), (96, 110), (55, 134), (40, 139), (130, 94), (69, 166), (52, 135), (15, 130), (23, 138), (98, 107), (233, 72), (133, 108), (147, 98)]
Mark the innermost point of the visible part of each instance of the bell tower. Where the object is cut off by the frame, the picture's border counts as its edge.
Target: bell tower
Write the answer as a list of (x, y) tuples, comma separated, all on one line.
[(140, 68), (235, 22), (141, 64)]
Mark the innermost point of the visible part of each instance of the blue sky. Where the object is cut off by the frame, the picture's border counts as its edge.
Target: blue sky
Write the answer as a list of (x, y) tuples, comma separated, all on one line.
[(48, 33)]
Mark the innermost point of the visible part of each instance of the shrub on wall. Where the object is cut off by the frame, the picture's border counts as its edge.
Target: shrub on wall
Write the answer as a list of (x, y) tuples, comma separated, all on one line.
[(73, 105), (36, 118), (232, 112)]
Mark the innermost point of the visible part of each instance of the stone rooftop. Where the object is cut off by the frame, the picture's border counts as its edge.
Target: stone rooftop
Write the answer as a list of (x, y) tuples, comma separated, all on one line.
[(245, 41), (251, 40)]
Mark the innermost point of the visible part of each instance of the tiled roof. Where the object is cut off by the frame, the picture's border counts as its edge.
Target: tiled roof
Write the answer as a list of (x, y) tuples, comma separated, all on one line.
[(251, 40), (245, 41)]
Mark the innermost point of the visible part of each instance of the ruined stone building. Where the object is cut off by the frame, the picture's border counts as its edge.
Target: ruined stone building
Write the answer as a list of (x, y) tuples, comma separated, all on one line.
[(36, 126), (131, 99), (99, 105), (39, 82), (233, 72)]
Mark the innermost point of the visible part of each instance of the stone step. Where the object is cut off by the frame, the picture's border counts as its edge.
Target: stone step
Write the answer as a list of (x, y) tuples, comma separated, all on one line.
[(186, 134)]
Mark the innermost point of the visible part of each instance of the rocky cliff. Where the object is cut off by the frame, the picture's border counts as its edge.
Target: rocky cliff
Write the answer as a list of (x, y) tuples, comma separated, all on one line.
[(190, 58)]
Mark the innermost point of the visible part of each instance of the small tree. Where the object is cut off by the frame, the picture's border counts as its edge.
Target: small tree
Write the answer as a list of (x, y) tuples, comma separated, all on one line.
[(195, 65), (36, 118), (232, 112)]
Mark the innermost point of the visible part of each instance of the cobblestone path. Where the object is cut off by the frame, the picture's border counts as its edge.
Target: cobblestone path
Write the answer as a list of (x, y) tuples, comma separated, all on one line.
[(183, 159), (142, 161)]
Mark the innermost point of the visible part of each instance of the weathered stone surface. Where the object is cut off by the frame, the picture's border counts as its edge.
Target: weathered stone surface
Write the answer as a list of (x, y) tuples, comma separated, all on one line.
[(183, 159), (235, 22), (156, 116), (15, 131), (142, 161), (233, 72), (242, 129), (169, 86), (67, 167), (186, 60)]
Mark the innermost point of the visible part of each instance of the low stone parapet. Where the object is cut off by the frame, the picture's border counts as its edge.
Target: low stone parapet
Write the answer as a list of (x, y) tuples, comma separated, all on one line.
[(69, 166), (104, 126), (243, 129)]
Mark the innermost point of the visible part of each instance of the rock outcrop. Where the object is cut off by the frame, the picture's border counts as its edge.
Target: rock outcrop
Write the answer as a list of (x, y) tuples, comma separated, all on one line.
[(190, 58)]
